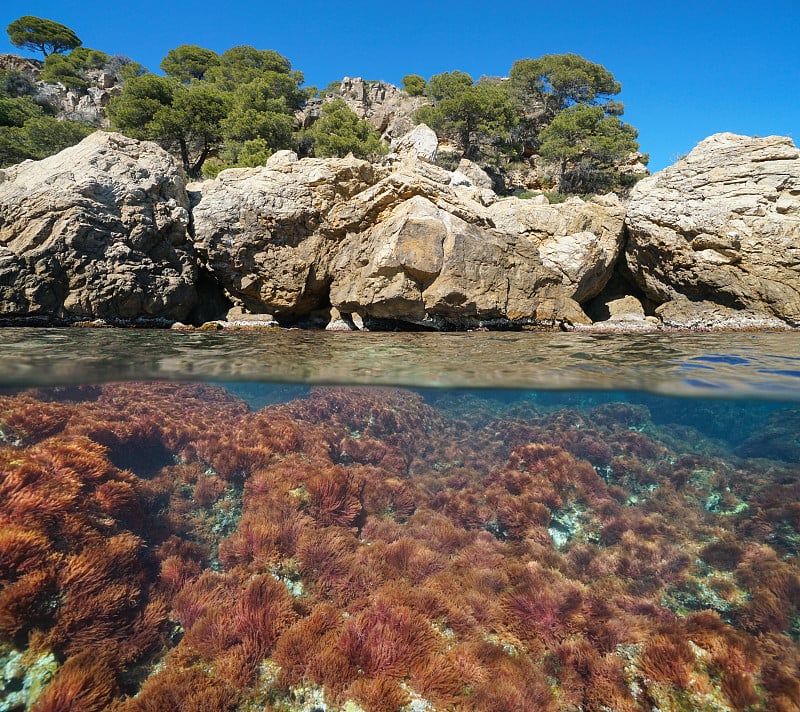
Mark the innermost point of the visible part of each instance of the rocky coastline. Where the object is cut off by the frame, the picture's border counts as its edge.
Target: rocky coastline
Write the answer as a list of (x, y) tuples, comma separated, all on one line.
[(108, 232)]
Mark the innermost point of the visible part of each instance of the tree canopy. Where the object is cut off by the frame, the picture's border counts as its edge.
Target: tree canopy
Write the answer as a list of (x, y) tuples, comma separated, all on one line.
[(556, 81), (40, 35), (189, 62), (468, 113), (339, 131), (586, 143), (237, 106), (70, 69), (26, 131), (559, 107), (414, 84), (185, 119)]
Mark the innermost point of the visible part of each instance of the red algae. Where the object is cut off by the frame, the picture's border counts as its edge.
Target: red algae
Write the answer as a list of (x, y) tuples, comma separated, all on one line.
[(175, 550)]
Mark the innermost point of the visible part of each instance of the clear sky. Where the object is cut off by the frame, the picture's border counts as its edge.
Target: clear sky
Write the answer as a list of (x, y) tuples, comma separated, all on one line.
[(688, 68)]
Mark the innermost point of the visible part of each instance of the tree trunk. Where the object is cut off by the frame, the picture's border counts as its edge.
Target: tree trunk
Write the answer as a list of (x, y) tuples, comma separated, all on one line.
[(184, 156)]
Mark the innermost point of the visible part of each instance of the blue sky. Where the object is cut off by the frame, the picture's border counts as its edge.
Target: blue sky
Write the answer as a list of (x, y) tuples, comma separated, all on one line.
[(688, 69)]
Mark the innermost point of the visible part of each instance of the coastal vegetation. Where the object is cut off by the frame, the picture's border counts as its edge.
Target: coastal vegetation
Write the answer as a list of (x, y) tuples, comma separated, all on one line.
[(213, 111)]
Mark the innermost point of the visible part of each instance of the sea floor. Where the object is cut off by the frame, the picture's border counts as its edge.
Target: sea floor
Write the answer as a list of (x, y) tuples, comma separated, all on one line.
[(179, 546)]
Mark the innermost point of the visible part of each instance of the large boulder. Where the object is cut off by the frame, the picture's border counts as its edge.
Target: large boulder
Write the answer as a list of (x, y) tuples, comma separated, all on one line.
[(721, 227), (260, 231), (579, 241), (96, 231), (421, 262), (434, 255), (420, 142)]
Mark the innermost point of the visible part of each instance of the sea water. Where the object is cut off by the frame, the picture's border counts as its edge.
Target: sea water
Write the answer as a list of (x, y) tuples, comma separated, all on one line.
[(290, 520)]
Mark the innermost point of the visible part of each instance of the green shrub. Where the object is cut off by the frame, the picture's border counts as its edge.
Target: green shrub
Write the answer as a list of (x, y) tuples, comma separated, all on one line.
[(414, 84), (554, 197)]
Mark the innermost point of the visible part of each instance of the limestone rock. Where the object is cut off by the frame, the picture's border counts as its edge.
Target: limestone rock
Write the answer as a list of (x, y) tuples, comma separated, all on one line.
[(681, 313), (578, 241), (236, 316), (384, 106), (421, 142), (96, 231), (259, 231), (474, 173), (399, 243), (722, 225), (422, 262), (620, 313), (20, 64), (339, 321)]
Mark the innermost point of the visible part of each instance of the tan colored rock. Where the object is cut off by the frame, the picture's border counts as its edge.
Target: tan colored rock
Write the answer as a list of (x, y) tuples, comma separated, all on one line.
[(420, 142), (16, 63), (260, 231), (385, 107), (579, 241), (96, 231), (421, 262), (722, 225), (477, 177), (681, 313), (400, 243)]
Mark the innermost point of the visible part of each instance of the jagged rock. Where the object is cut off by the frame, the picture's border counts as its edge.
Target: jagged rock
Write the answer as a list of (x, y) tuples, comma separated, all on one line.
[(385, 107), (340, 322), (20, 64), (260, 232), (281, 159), (423, 263), (620, 312), (96, 231), (421, 142), (86, 106), (578, 241), (399, 243), (476, 175), (681, 313), (722, 226)]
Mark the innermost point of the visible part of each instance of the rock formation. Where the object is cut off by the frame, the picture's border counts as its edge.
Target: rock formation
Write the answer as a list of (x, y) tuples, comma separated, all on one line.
[(96, 231), (399, 242), (101, 230), (384, 106), (721, 227), (258, 230)]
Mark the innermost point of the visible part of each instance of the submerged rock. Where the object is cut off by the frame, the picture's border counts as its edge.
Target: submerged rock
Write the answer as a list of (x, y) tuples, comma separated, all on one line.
[(96, 231), (722, 225)]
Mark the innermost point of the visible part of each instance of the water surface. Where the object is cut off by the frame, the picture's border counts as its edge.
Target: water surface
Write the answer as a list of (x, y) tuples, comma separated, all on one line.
[(729, 364)]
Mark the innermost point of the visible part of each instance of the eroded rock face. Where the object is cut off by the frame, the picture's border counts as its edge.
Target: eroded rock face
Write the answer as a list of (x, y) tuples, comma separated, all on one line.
[(721, 226), (261, 234), (576, 240), (96, 231), (385, 107), (399, 242)]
